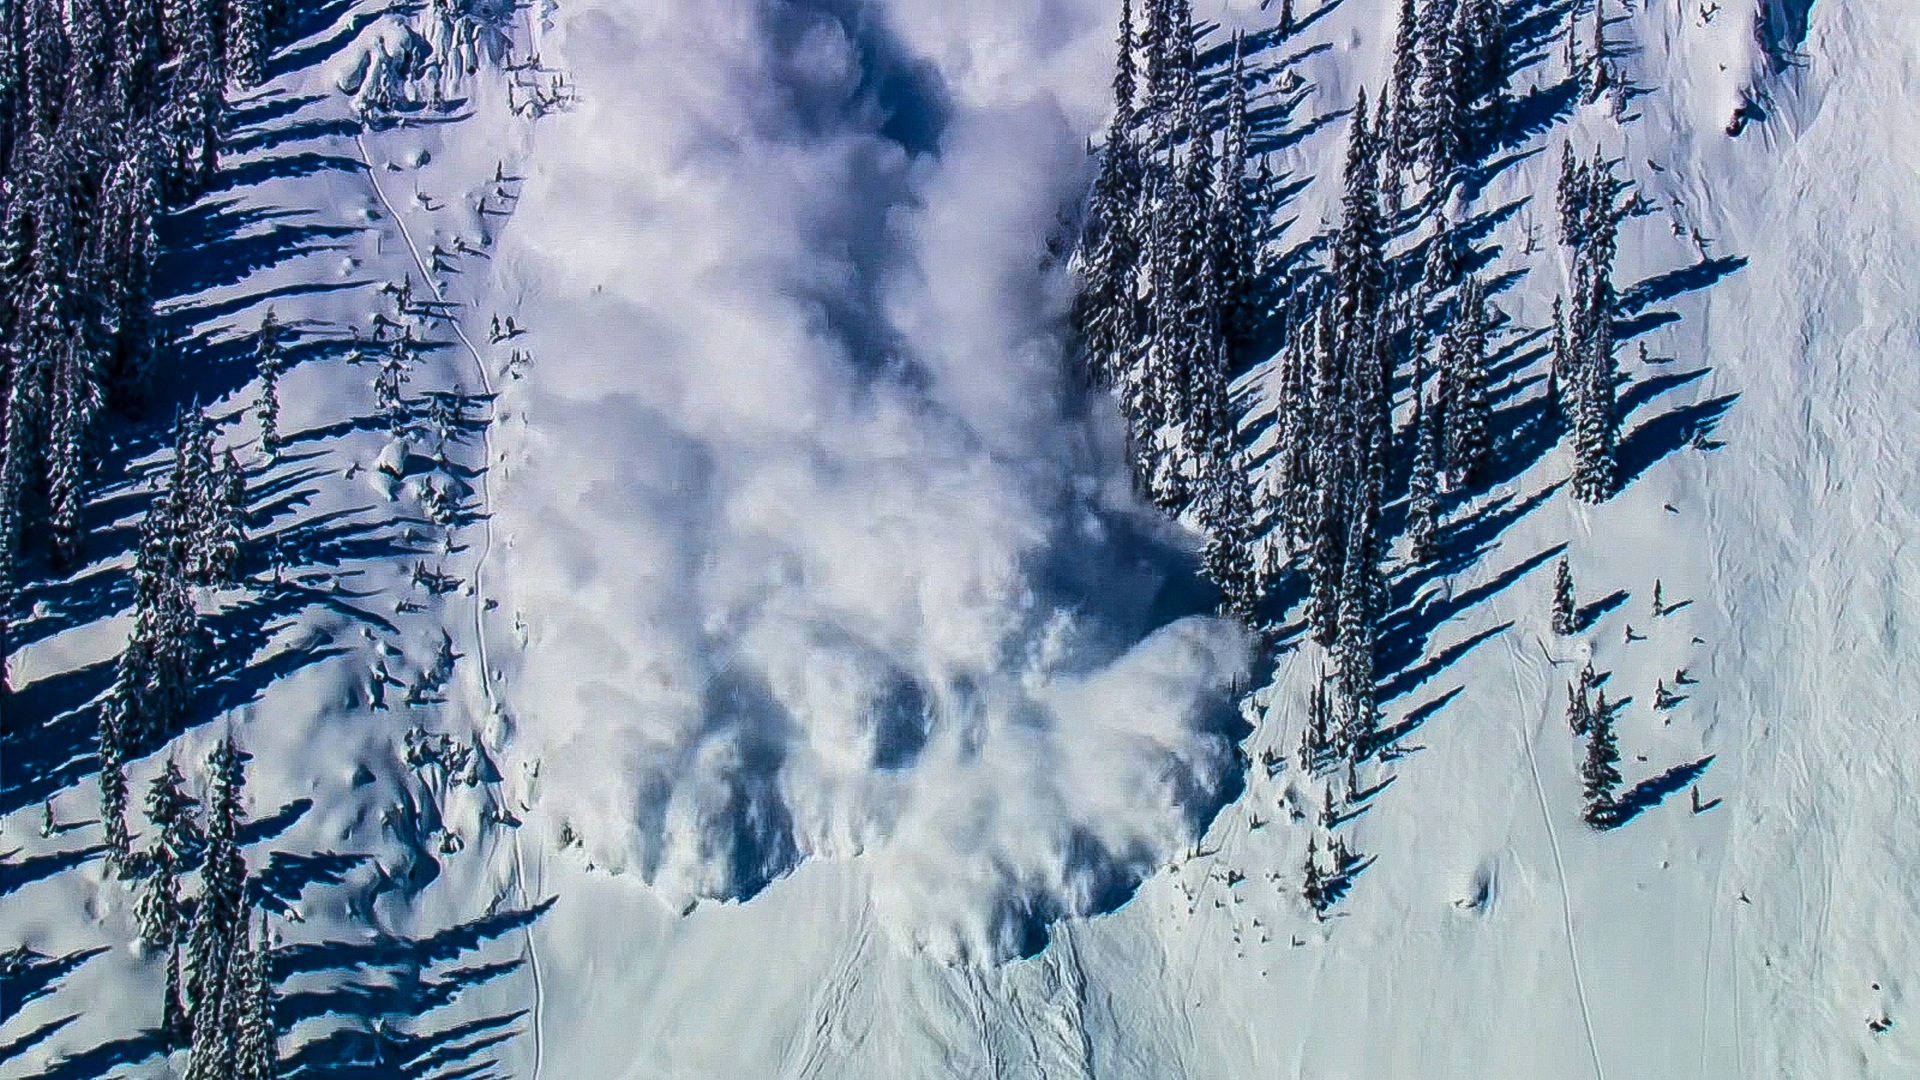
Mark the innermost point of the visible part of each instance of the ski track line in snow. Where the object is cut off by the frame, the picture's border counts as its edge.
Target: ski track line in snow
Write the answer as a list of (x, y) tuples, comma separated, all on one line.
[(1074, 976), (1553, 842), (830, 1002), (975, 981), (480, 561)]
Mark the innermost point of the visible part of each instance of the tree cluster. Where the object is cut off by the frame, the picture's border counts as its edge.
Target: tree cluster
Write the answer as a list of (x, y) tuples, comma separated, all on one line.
[(1585, 373), (110, 110), (192, 536), (1336, 461), (1174, 285), (1169, 260), (219, 995), (1328, 872), (1566, 618), (1448, 92), (1590, 717)]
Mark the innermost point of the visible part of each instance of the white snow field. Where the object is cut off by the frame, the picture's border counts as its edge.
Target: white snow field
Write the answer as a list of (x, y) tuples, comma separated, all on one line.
[(820, 699)]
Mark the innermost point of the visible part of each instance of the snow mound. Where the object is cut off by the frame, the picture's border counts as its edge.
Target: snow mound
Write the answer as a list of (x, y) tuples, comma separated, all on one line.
[(381, 64)]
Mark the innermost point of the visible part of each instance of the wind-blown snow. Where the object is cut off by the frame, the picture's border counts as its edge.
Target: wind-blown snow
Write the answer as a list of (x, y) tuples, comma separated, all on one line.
[(821, 552)]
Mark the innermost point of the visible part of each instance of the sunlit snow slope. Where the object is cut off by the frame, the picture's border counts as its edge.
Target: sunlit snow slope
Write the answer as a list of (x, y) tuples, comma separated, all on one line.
[(819, 658)]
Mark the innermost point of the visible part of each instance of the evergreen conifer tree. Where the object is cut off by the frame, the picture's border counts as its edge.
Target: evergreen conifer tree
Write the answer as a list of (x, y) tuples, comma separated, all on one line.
[(246, 42), (175, 1026), (256, 1054), (113, 800), (1598, 74), (1442, 145), (75, 403), (270, 356), (1403, 138), (219, 914), (1493, 61), (1560, 364), (1467, 412), (1600, 773), (1565, 621), (1423, 506), (1236, 233), (226, 528), (391, 379), (1597, 419), (1228, 556), (1579, 710), (1313, 888), (190, 496), (172, 849)]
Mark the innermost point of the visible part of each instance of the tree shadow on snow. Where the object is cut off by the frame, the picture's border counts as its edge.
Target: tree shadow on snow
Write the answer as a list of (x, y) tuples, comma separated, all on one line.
[(1651, 792)]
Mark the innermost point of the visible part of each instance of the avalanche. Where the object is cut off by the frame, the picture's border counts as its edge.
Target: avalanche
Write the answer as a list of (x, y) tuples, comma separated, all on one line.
[(693, 619)]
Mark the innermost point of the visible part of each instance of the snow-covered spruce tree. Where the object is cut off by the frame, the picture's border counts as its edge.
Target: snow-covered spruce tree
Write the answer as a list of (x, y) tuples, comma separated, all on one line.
[(1600, 773), (269, 353), (1295, 452), (1423, 504), (1559, 366), (1235, 218), (1327, 469), (1570, 196), (176, 1028), (1402, 138), (218, 916), (1313, 885), (1107, 308), (190, 494), (1570, 42), (1228, 518), (246, 51), (1145, 394), (1155, 30), (1493, 63), (256, 1050), (76, 403), (172, 849), (195, 111), (1597, 76), (1596, 416), (213, 1019), (1359, 265), (1442, 120), (1565, 619), (1579, 709), (1362, 601), (1591, 213), (227, 523), (1467, 409), (131, 238), (155, 678), (1196, 257), (113, 800)]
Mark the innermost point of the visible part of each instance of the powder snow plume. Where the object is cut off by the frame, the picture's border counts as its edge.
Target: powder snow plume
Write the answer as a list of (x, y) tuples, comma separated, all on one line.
[(821, 551)]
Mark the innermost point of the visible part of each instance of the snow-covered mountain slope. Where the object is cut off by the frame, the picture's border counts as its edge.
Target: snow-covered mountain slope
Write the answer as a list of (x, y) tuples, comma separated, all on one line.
[(792, 570)]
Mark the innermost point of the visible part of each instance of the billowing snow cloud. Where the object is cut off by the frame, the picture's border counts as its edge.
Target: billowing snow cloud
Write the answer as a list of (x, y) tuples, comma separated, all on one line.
[(820, 551)]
